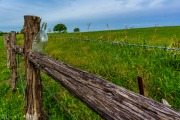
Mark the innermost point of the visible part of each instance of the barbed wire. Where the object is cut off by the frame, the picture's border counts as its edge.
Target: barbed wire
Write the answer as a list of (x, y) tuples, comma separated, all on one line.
[(121, 43), (20, 75), (47, 115), (59, 102), (23, 90)]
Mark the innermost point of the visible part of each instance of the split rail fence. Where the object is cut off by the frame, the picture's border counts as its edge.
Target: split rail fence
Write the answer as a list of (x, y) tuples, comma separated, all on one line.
[(110, 101)]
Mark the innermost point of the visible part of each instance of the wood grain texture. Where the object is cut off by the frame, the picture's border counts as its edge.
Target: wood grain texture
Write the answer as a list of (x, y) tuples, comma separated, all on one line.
[(18, 49), (7, 43), (33, 80), (13, 65), (110, 101)]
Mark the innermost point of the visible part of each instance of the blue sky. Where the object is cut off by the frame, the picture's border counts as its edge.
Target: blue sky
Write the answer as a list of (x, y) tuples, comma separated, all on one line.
[(79, 13)]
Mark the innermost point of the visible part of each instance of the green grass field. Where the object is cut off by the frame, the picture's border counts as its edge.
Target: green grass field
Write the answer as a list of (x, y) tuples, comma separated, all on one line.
[(11, 103), (120, 64)]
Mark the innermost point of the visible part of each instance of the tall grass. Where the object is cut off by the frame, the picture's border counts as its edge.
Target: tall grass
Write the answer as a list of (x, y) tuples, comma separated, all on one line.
[(151, 36), (58, 103), (11, 103), (119, 64), (122, 64)]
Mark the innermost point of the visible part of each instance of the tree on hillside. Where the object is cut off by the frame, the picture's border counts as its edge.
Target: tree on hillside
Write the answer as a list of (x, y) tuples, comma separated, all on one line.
[(60, 28), (76, 30)]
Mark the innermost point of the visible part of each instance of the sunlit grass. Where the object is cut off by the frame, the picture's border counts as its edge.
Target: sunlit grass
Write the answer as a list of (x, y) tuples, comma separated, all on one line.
[(11, 103), (120, 64)]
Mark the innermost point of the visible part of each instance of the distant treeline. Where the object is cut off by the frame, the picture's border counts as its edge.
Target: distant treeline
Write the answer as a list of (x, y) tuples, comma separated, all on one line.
[(2, 33)]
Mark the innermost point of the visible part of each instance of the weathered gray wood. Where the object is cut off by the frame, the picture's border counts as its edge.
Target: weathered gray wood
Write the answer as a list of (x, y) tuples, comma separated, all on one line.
[(13, 65), (33, 80), (107, 99), (7, 39), (18, 49), (116, 102)]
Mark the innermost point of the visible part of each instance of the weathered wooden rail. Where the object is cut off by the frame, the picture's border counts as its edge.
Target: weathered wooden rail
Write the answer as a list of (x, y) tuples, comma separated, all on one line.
[(110, 101)]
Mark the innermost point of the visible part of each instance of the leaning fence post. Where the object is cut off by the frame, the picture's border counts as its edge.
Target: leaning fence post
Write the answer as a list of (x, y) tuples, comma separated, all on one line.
[(8, 48), (33, 80), (140, 84), (13, 65)]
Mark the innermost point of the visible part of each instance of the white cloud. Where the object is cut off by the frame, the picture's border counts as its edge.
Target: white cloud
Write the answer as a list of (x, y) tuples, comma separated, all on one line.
[(86, 9), (12, 11), (98, 8)]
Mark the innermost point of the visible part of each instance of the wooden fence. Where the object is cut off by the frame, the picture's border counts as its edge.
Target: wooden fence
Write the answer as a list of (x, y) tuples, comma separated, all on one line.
[(110, 101)]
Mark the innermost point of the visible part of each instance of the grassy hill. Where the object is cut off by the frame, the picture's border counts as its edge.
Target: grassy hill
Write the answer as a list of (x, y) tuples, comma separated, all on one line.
[(120, 64), (150, 36)]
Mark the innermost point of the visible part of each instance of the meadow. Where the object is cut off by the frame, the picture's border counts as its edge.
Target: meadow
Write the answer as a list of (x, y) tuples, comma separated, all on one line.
[(118, 63)]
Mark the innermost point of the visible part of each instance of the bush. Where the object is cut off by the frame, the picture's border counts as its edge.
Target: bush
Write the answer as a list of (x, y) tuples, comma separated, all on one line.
[(76, 30)]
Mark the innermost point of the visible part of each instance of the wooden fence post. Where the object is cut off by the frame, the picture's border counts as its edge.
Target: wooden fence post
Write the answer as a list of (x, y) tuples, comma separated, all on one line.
[(33, 80), (13, 65), (140, 84), (8, 48)]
